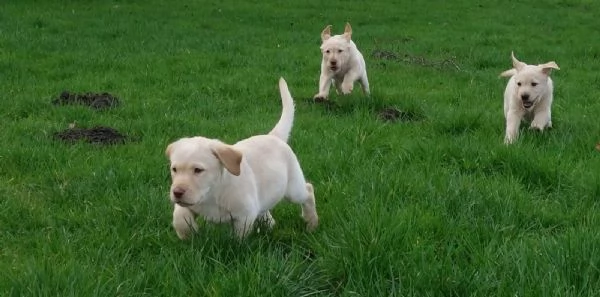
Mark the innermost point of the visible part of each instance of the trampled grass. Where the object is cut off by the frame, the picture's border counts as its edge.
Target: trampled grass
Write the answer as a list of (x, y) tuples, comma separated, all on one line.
[(432, 207)]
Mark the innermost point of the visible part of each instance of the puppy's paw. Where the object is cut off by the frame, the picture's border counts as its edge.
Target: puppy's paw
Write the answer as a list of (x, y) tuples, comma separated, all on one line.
[(312, 223), (347, 89), (509, 140), (320, 98)]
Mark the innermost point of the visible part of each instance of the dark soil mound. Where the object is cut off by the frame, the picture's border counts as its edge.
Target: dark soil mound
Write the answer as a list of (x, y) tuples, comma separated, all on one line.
[(391, 114), (93, 100), (96, 135)]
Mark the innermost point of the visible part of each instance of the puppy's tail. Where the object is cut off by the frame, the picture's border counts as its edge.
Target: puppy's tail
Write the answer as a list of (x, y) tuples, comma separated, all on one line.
[(508, 73), (284, 126)]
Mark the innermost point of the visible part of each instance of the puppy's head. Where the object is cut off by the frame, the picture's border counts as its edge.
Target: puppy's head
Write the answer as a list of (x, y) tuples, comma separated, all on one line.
[(531, 80), (336, 49), (197, 166)]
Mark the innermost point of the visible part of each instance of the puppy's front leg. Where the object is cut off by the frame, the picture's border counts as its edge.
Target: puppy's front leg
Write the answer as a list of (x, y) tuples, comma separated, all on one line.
[(541, 120), (512, 127), (243, 226), (348, 83), (324, 85), (184, 222)]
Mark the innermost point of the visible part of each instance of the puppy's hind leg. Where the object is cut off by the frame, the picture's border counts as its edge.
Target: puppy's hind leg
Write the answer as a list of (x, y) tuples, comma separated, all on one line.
[(301, 192), (364, 83), (309, 209)]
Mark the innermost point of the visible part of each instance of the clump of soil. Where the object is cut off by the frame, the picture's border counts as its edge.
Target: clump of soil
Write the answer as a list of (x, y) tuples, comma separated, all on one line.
[(93, 100), (391, 114), (448, 63), (383, 54), (96, 135)]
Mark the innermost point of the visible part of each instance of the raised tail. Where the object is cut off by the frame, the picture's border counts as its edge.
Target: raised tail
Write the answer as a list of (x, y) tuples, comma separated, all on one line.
[(284, 126)]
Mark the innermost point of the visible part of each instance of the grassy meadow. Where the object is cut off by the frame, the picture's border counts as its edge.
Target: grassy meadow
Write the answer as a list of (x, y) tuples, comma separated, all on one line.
[(432, 205)]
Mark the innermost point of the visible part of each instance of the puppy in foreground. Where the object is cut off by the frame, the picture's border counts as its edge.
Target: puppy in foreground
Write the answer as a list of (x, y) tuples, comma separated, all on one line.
[(528, 95), (238, 183), (342, 64)]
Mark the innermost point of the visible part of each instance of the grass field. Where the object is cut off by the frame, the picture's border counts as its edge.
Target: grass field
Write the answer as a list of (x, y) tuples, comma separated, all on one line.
[(434, 206)]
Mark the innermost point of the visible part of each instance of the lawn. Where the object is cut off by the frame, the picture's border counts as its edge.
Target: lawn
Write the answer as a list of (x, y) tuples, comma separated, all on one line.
[(431, 205)]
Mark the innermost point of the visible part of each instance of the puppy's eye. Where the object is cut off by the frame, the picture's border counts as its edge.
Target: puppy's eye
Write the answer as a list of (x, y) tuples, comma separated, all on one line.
[(533, 84), (198, 170), (519, 84), (174, 169), (328, 51), (339, 51)]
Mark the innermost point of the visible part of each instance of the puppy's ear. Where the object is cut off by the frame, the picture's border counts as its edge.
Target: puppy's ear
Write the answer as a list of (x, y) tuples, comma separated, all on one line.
[(509, 73), (547, 67), (326, 34), (229, 157), (516, 63), (169, 150), (348, 32)]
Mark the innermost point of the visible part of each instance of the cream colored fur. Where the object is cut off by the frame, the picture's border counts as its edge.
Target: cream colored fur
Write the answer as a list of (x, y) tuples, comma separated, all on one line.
[(342, 64), (238, 183), (528, 95)]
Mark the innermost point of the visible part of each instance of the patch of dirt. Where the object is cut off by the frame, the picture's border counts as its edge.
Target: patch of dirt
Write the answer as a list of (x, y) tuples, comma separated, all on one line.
[(385, 55), (96, 135), (329, 104), (93, 100), (392, 114), (413, 59)]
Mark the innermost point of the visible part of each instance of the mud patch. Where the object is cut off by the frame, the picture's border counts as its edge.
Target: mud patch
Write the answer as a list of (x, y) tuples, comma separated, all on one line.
[(328, 104), (415, 59), (384, 55), (392, 114), (96, 135), (94, 100)]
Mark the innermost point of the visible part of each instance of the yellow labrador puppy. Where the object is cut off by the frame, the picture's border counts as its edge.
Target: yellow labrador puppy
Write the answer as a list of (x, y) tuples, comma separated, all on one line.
[(238, 183), (342, 64), (528, 94)]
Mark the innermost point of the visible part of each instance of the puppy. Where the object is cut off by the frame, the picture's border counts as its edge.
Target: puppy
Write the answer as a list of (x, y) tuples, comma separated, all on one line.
[(238, 183), (342, 64), (528, 94)]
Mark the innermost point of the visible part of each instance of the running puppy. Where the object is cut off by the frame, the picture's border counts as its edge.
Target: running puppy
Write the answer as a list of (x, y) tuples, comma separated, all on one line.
[(238, 183), (342, 63), (528, 94)]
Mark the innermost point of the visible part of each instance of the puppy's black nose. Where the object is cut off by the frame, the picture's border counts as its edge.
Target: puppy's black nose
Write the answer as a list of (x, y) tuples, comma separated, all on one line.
[(333, 63), (178, 192), (525, 97)]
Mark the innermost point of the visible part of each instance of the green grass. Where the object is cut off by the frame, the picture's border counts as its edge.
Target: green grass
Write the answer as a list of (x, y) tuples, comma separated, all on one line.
[(433, 207)]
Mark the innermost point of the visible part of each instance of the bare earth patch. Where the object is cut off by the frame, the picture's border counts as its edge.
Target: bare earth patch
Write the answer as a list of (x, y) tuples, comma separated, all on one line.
[(96, 135), (392, 114), (93, 100), (415, 59)]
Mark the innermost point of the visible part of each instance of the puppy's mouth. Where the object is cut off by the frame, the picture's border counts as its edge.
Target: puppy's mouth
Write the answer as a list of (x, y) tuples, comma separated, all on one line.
[(334, 68), (184, 204), (527, 104)]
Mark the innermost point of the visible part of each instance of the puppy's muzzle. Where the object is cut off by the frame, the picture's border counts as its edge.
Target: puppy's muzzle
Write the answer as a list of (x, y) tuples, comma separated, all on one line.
[(178, 193), (333, 65), (527, 102)]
